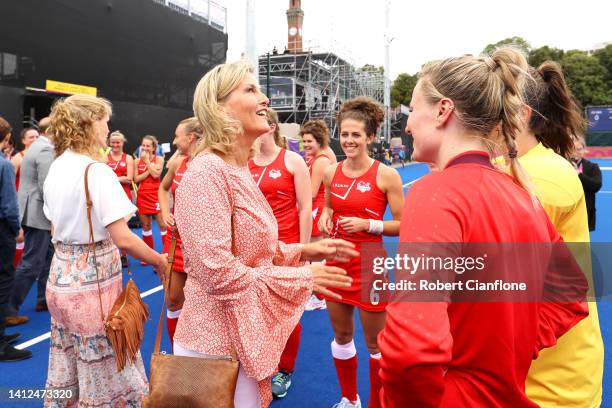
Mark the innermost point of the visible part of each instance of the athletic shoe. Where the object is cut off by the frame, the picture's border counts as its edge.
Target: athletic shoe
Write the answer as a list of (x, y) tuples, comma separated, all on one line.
[(345, 403), (314, 303), (280, 384)]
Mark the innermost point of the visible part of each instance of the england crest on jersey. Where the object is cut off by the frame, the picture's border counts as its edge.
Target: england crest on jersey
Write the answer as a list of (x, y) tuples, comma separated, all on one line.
[(364, 186), (274, 173)]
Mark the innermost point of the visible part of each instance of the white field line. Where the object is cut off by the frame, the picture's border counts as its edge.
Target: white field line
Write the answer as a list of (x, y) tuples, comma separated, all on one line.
[(47, 335), (410, 182)]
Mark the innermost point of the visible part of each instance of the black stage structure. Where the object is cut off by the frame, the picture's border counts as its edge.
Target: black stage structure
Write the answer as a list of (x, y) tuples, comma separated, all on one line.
[(145, 56)]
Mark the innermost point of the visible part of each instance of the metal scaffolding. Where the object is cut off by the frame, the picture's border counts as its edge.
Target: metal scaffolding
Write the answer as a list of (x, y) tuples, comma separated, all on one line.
[(313, 85)]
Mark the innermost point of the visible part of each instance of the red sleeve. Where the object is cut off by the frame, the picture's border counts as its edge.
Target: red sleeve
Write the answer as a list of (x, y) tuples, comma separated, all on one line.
[(565, 291), (416, 343)]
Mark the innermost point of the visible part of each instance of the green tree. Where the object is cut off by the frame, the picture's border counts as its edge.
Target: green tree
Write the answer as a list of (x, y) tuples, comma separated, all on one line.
[(538, 55), (586, 77), (514, 41), (604, 56), (401, 89), (372, 68)]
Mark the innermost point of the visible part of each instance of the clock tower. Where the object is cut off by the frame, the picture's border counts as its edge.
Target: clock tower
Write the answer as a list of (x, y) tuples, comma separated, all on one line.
[(295, 17)]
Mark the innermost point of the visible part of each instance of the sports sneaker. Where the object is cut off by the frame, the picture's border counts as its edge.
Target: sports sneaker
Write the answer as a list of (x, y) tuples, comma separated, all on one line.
[(314, 303), (280, 384), (345, 403)]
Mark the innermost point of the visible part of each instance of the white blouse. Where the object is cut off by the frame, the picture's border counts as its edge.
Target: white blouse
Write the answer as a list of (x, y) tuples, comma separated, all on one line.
[(64, 199)]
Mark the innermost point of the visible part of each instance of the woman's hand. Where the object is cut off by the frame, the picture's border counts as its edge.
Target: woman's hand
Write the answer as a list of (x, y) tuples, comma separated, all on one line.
[(354, 224), (168, 219), (329, 249), (325, 221), (161, 267), (325, 277), (145, 157), (19, 238)]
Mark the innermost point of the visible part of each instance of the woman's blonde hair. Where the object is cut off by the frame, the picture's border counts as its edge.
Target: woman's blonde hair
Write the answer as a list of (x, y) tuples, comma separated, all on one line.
[(193, 125), (212, 90), (72, 124), (488, 96), (118, 134)]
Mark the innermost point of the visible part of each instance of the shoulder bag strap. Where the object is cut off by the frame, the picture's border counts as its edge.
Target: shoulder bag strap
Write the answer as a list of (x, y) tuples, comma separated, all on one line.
[(92, 244), (160, 324)]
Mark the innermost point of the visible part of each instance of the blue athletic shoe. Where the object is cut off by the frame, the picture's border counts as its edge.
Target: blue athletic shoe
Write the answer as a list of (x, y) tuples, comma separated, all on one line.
[(280, 384)]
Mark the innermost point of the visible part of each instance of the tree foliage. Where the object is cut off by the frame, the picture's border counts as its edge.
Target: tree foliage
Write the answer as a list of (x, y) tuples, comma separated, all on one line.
[(538, 55), (372, 68), (401, 90), (604, 56), (518, 42), (588, 76)]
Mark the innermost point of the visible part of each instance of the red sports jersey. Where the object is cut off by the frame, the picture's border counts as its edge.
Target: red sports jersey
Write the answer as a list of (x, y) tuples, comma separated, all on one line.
[(468, 354), (179, 263), (318, 203), (277, 185), (22, 153), (146, 199), (120, 169), (358, 197)]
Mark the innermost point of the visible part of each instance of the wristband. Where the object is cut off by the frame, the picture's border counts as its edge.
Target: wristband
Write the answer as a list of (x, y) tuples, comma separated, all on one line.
[(376, 227)]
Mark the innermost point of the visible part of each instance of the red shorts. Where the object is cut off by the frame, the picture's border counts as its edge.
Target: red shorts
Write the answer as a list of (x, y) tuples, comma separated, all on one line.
[(361, 292), (179, 263), (147, 202)]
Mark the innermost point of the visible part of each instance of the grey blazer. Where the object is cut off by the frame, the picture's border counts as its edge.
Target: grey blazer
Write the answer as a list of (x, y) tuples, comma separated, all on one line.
[(34, 168)]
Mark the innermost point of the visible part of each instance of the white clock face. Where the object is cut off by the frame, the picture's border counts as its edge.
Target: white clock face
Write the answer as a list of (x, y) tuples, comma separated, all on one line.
[(293, 31)]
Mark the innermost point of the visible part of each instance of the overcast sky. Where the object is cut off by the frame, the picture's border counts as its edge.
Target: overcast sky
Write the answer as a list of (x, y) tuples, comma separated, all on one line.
[(421, 30)]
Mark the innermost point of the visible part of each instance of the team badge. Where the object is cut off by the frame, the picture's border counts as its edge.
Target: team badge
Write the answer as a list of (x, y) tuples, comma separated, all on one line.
[(122, 164), (364, 186), (275, 173)]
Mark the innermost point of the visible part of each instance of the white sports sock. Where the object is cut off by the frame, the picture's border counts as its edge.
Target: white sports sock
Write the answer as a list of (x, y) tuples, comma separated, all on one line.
[(343, 351)]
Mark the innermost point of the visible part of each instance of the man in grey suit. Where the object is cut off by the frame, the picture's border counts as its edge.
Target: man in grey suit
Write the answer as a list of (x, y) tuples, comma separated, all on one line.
[(38, 249)]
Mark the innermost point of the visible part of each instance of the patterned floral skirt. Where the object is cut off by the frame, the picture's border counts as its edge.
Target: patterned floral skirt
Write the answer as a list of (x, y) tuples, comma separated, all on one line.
[(81, 361)]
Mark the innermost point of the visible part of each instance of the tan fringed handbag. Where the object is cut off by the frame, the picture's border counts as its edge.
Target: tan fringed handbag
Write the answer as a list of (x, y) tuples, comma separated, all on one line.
[(189, 382), (124, 324)]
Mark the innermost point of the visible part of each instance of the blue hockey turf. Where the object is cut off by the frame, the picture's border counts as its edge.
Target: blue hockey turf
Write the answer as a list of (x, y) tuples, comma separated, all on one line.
[(314, 380)]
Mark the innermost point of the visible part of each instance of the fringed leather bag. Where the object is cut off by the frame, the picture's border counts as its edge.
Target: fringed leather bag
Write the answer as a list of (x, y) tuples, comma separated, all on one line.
[(189, 382), (124, 324)]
